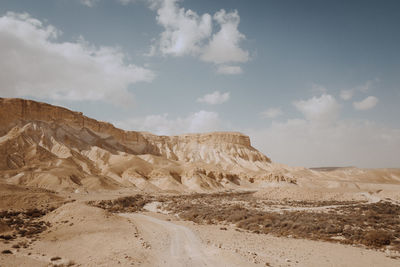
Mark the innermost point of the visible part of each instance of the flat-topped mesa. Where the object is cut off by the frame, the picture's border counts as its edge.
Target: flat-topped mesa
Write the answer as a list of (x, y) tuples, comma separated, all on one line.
[(214, 147), (15, 111), (210, 138), (50, 146)]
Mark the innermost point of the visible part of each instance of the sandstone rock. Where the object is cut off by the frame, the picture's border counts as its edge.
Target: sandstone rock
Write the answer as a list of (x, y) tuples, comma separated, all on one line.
[(55, 148)]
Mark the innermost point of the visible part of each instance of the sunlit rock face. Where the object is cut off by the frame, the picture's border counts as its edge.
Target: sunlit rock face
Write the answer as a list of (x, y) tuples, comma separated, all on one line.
[(53, 147)]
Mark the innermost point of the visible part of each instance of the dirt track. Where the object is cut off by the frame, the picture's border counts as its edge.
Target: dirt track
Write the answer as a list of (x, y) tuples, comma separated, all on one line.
[(181, 246)]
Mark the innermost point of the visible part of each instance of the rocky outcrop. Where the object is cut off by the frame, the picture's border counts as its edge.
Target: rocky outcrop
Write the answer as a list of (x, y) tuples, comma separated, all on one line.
[(53, 147), (16, 111), (216, 147)]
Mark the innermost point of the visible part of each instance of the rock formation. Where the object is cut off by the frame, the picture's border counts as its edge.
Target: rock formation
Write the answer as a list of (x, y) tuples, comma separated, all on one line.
[(52, 147)]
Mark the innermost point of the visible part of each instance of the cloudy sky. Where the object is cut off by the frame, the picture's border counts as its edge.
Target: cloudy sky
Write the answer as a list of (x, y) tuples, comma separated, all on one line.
[(313, 83)]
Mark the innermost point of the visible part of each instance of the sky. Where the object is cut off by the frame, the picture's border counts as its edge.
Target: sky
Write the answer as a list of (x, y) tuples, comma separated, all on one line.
[(313, 83)]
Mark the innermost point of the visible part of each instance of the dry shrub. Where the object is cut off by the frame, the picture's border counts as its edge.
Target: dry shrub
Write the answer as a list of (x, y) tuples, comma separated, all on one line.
[(377, 238), (123, 204), (23, 223), (374, 225)]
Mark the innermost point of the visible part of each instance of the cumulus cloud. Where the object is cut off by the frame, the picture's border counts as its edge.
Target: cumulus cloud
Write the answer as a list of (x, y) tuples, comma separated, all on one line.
[(322, 138), (271, 113), (214, 98), (89, 3), (224, 45), (227, 69), (367, 103), (201, 121), (366, 86), (184, 30), (126, 2), (34, 63), (348, 94), (323, 109), (188, 33), (318, 89), (299, 142)]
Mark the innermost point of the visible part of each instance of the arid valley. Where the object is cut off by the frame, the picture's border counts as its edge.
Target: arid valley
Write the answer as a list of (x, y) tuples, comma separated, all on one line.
[(199, 133), (79, 192)]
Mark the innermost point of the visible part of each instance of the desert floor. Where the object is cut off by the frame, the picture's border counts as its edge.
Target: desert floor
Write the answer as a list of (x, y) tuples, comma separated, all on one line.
[(83, 230)]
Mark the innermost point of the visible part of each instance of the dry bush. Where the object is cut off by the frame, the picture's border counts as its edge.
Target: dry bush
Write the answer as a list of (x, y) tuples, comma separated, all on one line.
[(377, 238), (23, 223), (123, 204), (374, 225)]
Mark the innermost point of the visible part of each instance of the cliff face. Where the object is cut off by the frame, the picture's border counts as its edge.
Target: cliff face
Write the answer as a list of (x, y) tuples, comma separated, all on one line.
[(50, 146), (19, 111), (216, 147), (15, 111)]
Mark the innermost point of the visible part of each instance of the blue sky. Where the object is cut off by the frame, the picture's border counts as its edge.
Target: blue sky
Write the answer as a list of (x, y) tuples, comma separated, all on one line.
[(314, 83)]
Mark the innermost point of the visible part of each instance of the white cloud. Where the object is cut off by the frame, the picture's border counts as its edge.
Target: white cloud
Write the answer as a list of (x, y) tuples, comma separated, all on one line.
[(367, 103), (227, 69), (89, 3), (322, 138), (126, 2), (188, 33), (346, 94), (34, 63), (323, 109), (224, 45), (184, 30), (366, 86), (318, 89), (214, 98), (342, 143), (202, 121), (271, 113)]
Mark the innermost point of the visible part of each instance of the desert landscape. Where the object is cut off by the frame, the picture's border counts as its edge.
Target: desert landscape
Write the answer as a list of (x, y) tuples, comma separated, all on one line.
[(80, 192), (199, 133)]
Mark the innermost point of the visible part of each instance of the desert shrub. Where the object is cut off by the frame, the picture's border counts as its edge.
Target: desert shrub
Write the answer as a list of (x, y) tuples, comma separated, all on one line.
[(123, 204), (374, 225), (35, 213), (333, 229), (238, 215), (377, 238)]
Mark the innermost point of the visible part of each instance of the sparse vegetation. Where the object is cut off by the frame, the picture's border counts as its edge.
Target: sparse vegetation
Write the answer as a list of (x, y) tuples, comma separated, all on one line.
[(23, 224), (375, 225), (124, 204)]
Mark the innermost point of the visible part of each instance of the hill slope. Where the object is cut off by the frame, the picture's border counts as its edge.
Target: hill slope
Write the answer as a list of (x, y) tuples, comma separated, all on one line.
[(52, 147)]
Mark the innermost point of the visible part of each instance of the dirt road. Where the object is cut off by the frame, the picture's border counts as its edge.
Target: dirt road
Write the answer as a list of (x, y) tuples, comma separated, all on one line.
[(176, 245)]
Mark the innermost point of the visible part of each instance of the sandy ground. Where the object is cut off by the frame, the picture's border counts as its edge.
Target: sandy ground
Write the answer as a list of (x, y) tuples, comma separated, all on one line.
[(177, 245), (82, 235), (57, 160), (278, 251)]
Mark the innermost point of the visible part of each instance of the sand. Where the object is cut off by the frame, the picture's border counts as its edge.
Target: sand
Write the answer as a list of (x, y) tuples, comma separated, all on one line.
[(83, 235)]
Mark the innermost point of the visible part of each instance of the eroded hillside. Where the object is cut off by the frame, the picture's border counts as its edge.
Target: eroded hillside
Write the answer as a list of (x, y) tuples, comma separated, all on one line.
[(52, 147)]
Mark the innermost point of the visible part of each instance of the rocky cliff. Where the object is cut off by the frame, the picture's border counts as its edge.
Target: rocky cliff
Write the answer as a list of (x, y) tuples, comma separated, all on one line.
[(53, 147)]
